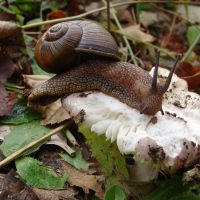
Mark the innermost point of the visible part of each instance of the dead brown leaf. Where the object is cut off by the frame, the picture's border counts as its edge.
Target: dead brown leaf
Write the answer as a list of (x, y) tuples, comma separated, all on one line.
[(189, 73), (56, 14), (66, 194), (61, 141), (12, 187), (174, 42), (4, 130), (136, 32), (7, 101), (83, 180), (11, 34), (193, 81), (6, 64)]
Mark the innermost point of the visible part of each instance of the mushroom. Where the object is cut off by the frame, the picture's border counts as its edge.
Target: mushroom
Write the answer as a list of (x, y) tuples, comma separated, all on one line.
[(166, 142)]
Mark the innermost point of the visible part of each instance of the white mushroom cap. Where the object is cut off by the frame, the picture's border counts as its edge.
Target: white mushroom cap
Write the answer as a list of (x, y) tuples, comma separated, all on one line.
[(169, 142)]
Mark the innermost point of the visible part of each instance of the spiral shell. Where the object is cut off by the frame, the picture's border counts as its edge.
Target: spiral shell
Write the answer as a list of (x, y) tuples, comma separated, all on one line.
[(58, 48)]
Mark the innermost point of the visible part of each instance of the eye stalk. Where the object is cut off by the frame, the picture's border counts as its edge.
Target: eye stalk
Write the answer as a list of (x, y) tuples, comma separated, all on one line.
[(154, 84), (168, 81)]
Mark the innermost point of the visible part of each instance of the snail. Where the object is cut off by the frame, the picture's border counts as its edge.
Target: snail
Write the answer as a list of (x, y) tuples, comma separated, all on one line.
[(86, 57)]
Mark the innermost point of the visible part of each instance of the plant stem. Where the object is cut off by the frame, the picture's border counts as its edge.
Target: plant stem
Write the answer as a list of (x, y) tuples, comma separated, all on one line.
[(108, 14), (191, 48), (146, 43), (113, 12), (33, 144), (98, 10)]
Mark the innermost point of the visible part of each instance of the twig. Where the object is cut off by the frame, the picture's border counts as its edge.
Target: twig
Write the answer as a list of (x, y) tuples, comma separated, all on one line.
[(191, 48), (71, 138), (130, 37), (113, 12), (7, 3), (108, 14), (170, 12), (98, 10), (33, 144), (170, 32)]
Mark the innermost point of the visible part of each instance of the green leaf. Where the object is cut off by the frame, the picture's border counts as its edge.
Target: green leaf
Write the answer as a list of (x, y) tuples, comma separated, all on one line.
[(115, 193), (22, 135), (20, 114), (77, 161), (173, 189), (35, 174), (192, 34), (106, 153)]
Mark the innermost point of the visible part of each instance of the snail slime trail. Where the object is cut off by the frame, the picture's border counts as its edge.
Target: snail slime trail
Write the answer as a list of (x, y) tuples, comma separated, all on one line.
[(65, 43)]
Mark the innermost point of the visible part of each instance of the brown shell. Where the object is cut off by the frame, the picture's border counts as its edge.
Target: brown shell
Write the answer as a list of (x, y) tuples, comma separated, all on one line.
[(57, 49)]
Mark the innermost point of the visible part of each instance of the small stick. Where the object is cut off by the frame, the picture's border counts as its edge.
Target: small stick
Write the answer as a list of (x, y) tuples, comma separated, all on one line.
[(33, 144), (108, 14), (71, 138)]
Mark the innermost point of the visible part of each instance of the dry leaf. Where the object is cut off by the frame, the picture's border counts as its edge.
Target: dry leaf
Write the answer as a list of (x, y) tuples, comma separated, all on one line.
[(56, 14), (11, 34), (66, 194), (189, 73), (7, 101), (54, 113), (192, 13), (61, 141), (6, 64), (136, 32), (193, 81), (175, 42), (4, 130), (33, 81), (12, 187), (83, 180)]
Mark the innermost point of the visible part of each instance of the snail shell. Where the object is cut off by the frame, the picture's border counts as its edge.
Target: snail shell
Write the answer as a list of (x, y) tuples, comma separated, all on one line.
[(59, 47)]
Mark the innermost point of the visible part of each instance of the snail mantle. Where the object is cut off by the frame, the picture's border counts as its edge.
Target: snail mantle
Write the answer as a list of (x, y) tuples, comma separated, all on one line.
[(166, 142)]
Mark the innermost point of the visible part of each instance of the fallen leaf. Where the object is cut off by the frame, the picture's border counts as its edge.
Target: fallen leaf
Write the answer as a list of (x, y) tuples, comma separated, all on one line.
[(77, 161), (12, 187), (34, 173), (189, 73), (20, 114), (83, 180), (33, 81), (22, 135), (65, 194), (11, 34), (174, 42), (185, 69), (147, 18), (7, 101), (61, 141), (4, 130), (136, 32), (6, 64), (125, 17), (53, 113), (193, 81), (56, 14), (192, 13), (115, 193)]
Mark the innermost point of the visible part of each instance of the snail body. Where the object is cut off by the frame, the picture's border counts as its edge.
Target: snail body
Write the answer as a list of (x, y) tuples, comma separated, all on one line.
[(124, 81)]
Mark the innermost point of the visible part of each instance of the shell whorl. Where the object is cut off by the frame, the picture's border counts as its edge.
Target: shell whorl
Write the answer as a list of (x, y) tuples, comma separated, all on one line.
[(57, 49)]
